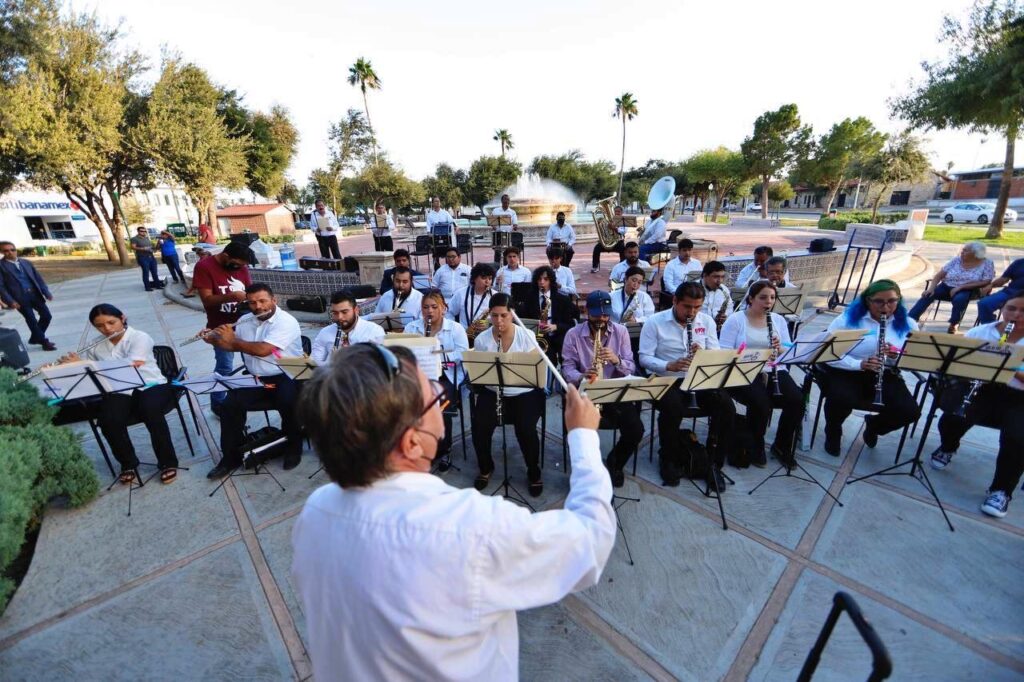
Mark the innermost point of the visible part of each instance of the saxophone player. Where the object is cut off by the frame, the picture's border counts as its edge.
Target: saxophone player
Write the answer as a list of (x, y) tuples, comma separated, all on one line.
[(600, 349), (631, 303), (469, 304), (717, 299), (552, 308)]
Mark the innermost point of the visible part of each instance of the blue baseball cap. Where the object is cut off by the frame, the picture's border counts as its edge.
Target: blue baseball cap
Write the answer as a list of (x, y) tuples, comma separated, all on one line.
[(599, 303)]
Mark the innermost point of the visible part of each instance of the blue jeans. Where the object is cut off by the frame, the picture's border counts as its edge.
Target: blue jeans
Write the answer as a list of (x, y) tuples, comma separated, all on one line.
[(647, 249), (942, 291), (150, 275), (224, 363), (174, 266), (988, 306)]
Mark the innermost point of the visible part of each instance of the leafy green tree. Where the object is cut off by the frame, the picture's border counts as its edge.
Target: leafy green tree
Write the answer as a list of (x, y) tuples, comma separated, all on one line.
[(487, 176), (587, 179), (725, 168), (834, 156), (979, 85), (504, 138), (325, 185), (625, 109), (384, 181), (135, 214), (361, 74), (351, 142), (780, 191), (777, 142), (901, 160), (448, 185), (270, 140)]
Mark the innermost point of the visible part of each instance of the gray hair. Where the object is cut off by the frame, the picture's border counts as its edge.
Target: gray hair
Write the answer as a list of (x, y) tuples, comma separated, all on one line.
[(977, 248), (776, 260)]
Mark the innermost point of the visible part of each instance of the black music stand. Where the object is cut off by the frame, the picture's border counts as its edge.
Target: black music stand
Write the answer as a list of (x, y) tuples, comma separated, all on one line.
[(377, 222), (505, 370), (499, 243), (881, 664), (946, 355), (440, 240), (389, 321), (299, 368)]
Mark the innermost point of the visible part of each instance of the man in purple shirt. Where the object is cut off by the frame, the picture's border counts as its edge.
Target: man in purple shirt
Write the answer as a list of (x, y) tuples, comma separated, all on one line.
[(616, 356)]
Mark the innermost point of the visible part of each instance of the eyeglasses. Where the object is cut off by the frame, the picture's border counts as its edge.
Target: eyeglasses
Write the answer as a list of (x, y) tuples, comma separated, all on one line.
[(883, 301)]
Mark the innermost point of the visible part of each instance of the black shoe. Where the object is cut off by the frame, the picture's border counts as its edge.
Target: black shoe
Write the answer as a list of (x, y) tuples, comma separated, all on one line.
[(670, 475), (758, 458), (48, 345), (217, 410), (291, 461), (833, 443), (481, 480), (444, 462), (149, 288), (617, 475), (221, 470), (870, 435), (535, 484), (716, 481)]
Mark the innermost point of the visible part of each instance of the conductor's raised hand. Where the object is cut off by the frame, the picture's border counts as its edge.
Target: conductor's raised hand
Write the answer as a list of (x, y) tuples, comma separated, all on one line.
[(580, 413)]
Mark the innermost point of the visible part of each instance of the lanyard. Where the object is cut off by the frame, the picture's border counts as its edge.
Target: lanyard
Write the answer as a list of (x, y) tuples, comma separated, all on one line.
[(477, 307), (397, 302)]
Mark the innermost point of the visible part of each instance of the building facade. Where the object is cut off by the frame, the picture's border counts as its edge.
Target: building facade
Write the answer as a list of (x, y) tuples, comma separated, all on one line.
[(267, 219), (30, 217)]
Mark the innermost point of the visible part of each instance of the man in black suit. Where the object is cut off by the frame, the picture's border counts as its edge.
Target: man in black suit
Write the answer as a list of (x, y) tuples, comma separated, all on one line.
[(402, 259), (561, 314), (23, 288)]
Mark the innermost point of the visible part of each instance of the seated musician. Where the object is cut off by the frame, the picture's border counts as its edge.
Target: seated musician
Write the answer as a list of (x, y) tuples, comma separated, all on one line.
[(513, 272), (520, 406), (750, 329), (346, 330), (504, 210), (632, 260), (849, 384), (755, 270), (267, 331), (619, 247), (678, 269), (453, 275), (469, 305), (652, 239), (631, 303), (717, 299), (562, 233), (998, 406), (452, 337), (402, 296), (666, 349), (382, 235), (553, 309), (563, 275), (148, 404), (402, 260), (616, 360)]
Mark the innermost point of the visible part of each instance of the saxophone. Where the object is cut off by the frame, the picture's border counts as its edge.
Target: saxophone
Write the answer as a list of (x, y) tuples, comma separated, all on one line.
[(597, 364), (630, 312), (480, 324), (543, 321)]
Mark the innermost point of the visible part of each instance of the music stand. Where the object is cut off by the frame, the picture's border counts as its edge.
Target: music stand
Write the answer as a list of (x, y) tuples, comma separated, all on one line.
[(787, 302), (390, 321), (719, 369), (298, 367), (501, 370), (947, 355), (498, 244), (623, 221)]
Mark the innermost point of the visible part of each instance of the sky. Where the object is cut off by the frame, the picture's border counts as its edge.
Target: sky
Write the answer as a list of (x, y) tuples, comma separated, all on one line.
[(549, 70)]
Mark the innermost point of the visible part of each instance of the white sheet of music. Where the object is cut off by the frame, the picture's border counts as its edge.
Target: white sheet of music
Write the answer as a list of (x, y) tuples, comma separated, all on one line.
[(209, 382), (66, 380), (426, 349)]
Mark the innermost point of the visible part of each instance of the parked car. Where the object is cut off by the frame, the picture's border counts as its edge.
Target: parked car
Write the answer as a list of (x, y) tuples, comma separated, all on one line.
[(756, 206), (344, 221), (972, 212), (302, 225)]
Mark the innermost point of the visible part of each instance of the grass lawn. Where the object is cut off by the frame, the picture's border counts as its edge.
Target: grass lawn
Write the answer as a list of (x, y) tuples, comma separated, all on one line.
[(798, 222), (962, 235), (62, 268)]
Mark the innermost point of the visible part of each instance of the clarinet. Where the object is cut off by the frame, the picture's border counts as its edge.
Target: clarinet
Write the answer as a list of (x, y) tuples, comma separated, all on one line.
[(880, 380), (961, 411), (689, 345), (774, 376)]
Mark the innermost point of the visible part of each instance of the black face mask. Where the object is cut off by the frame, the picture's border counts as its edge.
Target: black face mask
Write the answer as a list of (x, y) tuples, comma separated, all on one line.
[(561, 222), (232, 266)]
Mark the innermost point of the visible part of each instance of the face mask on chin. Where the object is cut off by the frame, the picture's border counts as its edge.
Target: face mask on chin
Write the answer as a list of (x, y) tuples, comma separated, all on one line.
[(232, 266)]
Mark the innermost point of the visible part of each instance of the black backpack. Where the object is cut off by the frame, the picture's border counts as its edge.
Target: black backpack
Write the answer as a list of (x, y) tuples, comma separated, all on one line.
[(696, 463), (743, 445)]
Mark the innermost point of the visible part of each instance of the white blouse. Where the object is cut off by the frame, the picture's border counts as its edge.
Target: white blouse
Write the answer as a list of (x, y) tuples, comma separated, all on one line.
[(737, 331)]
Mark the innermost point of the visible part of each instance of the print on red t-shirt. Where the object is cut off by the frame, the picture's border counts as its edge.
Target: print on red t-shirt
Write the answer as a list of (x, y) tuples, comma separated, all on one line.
[(210, 274)]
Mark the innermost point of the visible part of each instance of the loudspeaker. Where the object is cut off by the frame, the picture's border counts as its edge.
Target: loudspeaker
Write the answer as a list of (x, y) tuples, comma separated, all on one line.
[(308, 304), (12, 351), (821, 245)]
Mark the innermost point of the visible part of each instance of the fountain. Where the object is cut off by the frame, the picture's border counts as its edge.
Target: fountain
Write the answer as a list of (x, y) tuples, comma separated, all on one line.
[(536, 201)]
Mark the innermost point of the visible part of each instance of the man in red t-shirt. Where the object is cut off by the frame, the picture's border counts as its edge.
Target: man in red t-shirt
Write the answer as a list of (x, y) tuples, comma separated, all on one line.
[(206, 235), (221, 281)]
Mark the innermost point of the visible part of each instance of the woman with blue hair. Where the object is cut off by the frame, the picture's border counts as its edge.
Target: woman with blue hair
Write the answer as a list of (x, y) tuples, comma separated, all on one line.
[(849, 383)]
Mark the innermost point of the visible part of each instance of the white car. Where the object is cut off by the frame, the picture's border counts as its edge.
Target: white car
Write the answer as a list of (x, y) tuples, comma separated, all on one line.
[(969, 212), (754, 207)]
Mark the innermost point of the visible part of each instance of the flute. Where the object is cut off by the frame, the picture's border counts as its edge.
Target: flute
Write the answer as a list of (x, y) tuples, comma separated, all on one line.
[(63, 360), (200, 336), (776, 391)]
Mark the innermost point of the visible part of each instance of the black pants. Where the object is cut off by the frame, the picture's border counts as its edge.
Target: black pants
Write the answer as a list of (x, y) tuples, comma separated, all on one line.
[(619, 248), (995, 406), (522, 412), (174, 267), (626, 418), (759, 401), (382, 244), (241, 401), (118, 410), (453, 395), (329, 246), (567, 253), (675, 407), (846, 390), (33, 305)]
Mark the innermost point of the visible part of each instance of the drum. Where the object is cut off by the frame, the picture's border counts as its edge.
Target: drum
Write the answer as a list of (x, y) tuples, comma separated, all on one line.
[(501, 240)]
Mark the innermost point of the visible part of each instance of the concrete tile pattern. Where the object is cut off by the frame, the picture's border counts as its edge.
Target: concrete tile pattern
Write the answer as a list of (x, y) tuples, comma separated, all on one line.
[(198, 587)]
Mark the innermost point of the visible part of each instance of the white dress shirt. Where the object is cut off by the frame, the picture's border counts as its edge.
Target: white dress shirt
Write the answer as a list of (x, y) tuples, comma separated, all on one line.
[(643, 309), (749, 274), (663, 340), (361, 332), (868, 346), (524, 342), (448, 279), (676, 272), (564, 234), (737, 331), (386, 232), (454, 342), (411, 305), (134, 345), (990, 333), (411, 578), (653, 232), (565, 279), (469, 306), (325, 225), (281, 330), (619, 271), (439, 217), (507, 276), (506, 212), (713, 300)]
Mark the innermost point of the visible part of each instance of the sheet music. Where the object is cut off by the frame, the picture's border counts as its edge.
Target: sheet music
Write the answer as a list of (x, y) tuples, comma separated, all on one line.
[(637, 388), (971, 358), (218, 382), (708, 369), (298, 366), (427, 350), (68, 380), (831, 346)]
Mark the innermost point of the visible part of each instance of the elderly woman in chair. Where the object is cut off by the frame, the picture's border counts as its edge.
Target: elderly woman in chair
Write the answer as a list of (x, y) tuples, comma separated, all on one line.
[(959, 281)]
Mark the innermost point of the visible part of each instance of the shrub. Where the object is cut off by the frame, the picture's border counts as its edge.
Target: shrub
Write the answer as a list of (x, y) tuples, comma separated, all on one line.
[(277, 238), (843, 219)]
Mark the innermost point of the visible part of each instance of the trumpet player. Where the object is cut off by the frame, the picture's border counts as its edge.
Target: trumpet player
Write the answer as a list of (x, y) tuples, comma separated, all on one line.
[(600, 349), (401, 297), (631, 303), (513, 272), (717, 299), (469, 304), (850, 383), (346, 330), (994, 405), (772, 389)]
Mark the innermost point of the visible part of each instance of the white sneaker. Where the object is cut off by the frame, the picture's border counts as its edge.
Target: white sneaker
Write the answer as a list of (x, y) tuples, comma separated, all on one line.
[(941, 459), (996, 504), (593, 270)]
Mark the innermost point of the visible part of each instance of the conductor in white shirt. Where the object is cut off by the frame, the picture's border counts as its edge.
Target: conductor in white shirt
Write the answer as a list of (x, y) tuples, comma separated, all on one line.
[(562, 233), (325, 226), (402, 576)]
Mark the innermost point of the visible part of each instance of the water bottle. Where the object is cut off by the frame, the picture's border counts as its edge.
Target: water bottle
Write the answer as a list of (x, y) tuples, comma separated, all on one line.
[(288, 261)]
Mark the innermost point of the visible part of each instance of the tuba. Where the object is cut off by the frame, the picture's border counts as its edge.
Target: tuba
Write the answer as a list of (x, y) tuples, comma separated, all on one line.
[(607, 235), (663, 196)]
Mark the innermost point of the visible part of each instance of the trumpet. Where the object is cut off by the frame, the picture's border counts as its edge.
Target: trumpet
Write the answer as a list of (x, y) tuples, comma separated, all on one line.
[(64, 360)]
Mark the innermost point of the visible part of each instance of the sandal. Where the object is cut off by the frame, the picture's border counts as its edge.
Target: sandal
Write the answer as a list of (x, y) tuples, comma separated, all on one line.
[(168, 475), (127, 477)]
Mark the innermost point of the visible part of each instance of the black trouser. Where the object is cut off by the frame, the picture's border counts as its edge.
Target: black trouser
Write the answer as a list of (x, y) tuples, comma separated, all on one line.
[(522, 412), (174, 267), (759, 401), (619, 248), (241, 401), (29, 307), (567, 253), (118, 410), (846, 390), (383, 244), (996, 406), (454, 397), (626, 418), (675, 407), (329, 246)]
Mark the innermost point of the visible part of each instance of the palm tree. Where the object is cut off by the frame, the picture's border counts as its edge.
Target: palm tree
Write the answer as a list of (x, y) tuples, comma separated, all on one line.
[(504, 138), (362, 74), (625, 108)]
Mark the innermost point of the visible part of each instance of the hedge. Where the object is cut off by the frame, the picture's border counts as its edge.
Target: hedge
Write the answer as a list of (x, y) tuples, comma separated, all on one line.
[(38, 462), (843, 219)]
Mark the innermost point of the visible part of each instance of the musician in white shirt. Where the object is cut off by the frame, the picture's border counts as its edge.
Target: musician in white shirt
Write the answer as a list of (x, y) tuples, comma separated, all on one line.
[(382, 236), (775, 273), (469, 305), (678, 268), (453, 275), (504, 210), (632, 260), (512, 272), (402, 297), (346, 330), (717, 298), (563, 275), (400, 575), (667, 346), (633, 298), (439, 216), (652, 239), (563, 233), (756, 270), (325, 226)]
